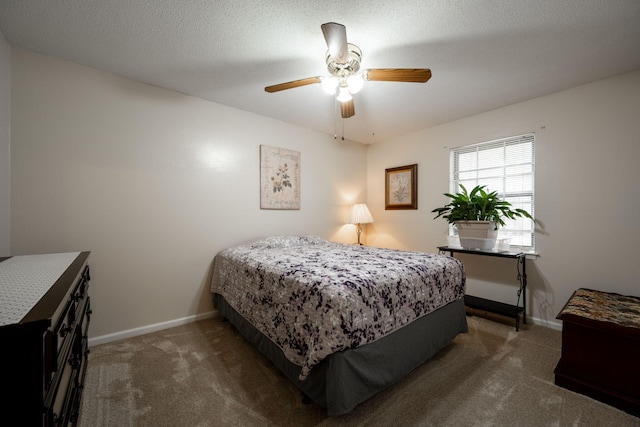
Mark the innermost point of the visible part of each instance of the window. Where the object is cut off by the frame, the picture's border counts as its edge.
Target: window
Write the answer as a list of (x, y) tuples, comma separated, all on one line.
[(506, 166)]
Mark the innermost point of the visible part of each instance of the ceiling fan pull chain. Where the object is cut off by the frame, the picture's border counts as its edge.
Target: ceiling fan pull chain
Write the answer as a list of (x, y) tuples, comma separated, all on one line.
[(335, 114)]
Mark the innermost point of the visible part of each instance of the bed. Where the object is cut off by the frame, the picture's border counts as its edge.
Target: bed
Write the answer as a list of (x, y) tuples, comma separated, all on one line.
[(342, 322)]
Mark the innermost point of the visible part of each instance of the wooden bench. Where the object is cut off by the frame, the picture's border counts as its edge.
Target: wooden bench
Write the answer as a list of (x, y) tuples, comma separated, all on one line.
[(601, 348)]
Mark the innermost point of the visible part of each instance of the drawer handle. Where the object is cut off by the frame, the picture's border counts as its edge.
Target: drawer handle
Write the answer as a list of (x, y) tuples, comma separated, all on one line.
[(65, 330), (85, 338), (74, 361)]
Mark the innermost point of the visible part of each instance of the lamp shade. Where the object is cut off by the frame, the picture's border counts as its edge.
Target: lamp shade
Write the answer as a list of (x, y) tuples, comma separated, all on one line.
[(359, 214)]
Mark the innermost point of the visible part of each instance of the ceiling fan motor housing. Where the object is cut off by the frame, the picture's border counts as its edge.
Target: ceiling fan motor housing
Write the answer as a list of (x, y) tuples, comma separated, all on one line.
[(347, 68)]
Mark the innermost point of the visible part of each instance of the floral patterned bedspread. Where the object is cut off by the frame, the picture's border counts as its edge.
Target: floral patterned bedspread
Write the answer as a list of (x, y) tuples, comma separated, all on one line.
[(312, 297)]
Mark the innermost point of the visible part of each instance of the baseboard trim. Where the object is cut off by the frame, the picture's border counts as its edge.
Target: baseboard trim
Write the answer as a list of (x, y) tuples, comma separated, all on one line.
[(546, 323), (103, 339)]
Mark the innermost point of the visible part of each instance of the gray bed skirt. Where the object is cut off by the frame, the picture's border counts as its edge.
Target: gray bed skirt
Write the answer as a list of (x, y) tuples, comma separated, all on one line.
[(348, 378)]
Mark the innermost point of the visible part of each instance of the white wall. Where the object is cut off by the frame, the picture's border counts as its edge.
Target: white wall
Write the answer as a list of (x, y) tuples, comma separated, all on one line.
[(155, 183), (5, 140), (587, 192)]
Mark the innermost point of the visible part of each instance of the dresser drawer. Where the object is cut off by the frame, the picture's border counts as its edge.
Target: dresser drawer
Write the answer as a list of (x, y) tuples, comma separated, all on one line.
[(58, 339), (63, 399), (57, 399), (68, 353), (82, 372)]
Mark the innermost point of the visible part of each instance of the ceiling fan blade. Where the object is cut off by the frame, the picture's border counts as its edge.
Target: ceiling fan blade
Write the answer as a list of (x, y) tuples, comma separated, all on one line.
[(347, 109), (336, 37), (413, 75), (291, 85)]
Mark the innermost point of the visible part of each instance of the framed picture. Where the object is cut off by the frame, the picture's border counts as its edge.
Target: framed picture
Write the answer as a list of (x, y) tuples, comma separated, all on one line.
[(401, 187), (279, 178)]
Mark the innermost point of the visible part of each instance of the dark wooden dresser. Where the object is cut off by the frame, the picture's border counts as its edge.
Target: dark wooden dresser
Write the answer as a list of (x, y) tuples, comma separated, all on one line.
[(44, 321)]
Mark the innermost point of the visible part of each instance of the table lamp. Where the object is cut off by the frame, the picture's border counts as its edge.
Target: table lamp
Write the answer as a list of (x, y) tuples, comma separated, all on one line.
[(359, 215)]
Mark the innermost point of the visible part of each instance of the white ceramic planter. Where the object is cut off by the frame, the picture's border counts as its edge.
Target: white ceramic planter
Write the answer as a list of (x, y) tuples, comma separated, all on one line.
[(477, 234)]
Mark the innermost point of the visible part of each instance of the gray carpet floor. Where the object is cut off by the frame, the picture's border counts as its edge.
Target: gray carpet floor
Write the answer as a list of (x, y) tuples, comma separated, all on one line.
[(206, 374)]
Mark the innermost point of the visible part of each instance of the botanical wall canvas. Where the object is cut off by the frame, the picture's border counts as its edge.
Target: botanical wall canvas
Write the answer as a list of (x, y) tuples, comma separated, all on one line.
[(279, 178)]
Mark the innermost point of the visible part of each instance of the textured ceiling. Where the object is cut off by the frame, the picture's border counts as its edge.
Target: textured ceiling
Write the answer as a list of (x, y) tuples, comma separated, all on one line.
[(483, 54)]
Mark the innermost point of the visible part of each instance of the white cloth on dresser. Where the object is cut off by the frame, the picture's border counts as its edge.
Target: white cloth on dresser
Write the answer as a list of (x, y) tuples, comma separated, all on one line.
[(25, 279)]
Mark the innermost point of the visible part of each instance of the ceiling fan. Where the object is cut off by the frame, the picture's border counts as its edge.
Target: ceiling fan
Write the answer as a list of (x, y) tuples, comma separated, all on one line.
[(343, 62)]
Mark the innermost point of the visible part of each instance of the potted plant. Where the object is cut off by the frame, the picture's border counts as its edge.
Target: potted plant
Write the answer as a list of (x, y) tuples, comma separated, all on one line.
[(478, 215)]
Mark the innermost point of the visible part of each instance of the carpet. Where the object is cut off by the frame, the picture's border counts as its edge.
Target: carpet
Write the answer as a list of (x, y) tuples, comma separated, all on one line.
[(205, 374)]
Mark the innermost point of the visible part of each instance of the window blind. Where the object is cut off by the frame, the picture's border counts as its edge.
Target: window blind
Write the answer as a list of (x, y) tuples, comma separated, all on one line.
[(507, 166)]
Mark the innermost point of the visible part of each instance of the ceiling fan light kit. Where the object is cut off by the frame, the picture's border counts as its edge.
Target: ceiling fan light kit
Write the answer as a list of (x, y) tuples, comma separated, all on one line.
[(344, 95), (343, 63), (329, 84)]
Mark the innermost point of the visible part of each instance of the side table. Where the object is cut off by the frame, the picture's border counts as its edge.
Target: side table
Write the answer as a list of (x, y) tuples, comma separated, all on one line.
[(495, 306)]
